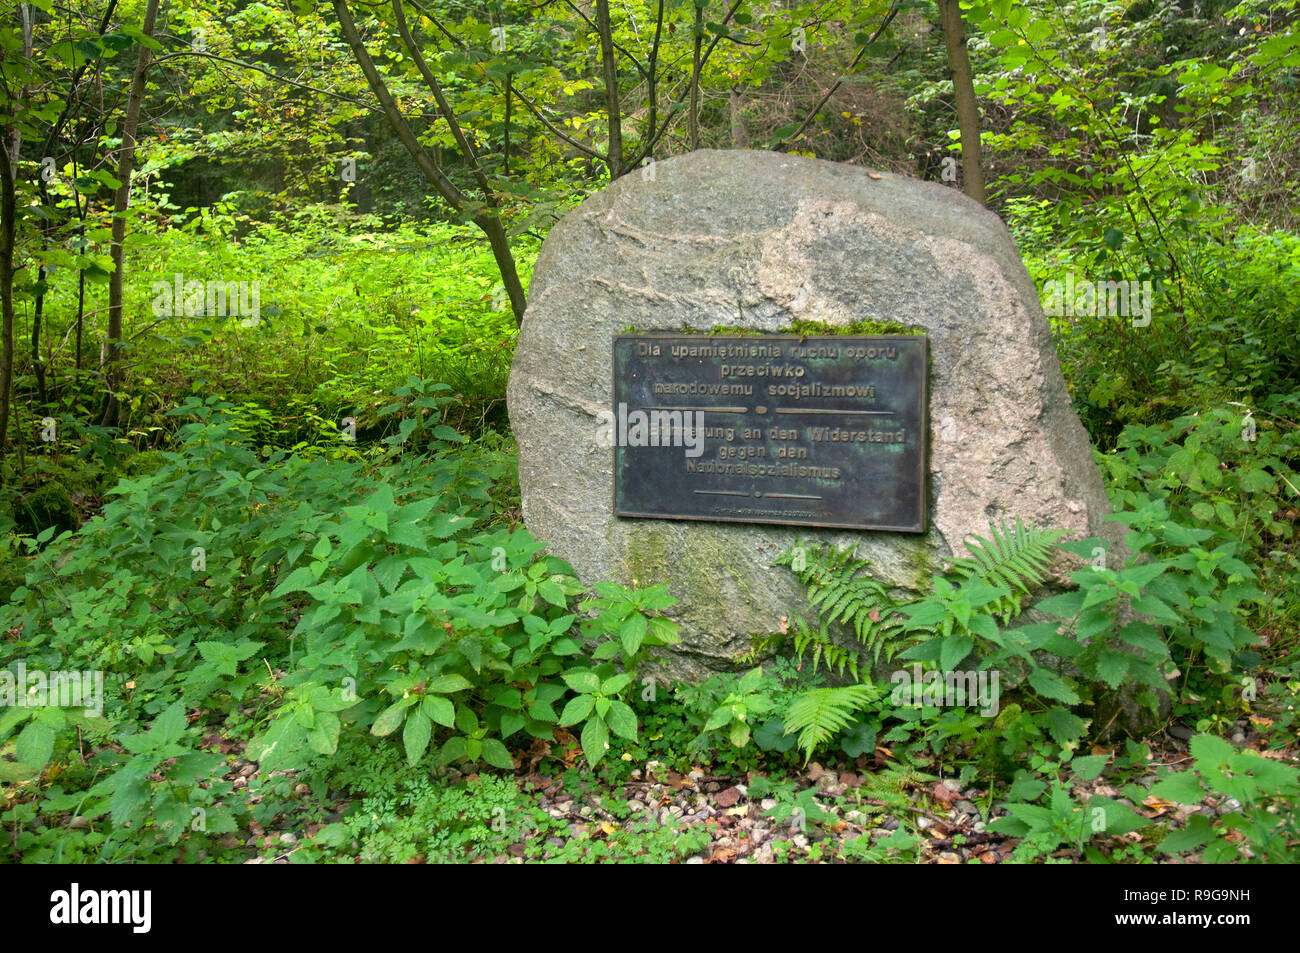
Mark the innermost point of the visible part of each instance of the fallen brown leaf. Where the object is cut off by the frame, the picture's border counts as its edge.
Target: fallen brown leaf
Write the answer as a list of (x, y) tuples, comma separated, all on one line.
[(1158, 805)]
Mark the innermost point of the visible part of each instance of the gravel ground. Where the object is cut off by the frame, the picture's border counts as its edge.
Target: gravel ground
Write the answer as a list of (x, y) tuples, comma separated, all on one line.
[(950, 821)]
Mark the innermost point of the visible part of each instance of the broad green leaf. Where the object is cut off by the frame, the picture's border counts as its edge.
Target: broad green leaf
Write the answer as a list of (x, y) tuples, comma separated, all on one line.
[(1112, 667), (578, 708), (439, 709), (721, 715), (1050, 685), (1063, 725), (1089, 766), (622, 720), (390, 719), (1119, 818), (615, 684), (466, 721), (1198, 830), (595, 740), (495, 754), (324, 735), (953, 649), (1208, 748), (415, 736), (446, 684), (586, 682), (35, 745), (632, 633), (1180, 787)]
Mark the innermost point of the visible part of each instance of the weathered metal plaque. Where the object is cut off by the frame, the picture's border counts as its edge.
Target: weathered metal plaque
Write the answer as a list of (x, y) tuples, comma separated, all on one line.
[(817, 431)]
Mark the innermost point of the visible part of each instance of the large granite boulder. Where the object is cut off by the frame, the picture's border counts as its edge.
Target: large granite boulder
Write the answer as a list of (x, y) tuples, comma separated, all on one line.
[(756, 241)]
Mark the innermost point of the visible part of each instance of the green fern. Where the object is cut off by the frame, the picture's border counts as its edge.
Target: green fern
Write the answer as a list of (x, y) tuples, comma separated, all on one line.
[(836, 658), (890, 787), (840, 594), (760, 646), (821, 713), (1014, 558), (822, 652)]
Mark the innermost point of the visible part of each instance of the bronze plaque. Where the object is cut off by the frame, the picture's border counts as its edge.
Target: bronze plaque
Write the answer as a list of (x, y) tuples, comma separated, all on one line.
[(764, 428)]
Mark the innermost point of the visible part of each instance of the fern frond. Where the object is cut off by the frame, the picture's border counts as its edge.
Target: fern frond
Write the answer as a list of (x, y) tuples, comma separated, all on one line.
[(836, 658), (1014, 558), (759, 647), (821, 713), (841, 595), (890, 785)]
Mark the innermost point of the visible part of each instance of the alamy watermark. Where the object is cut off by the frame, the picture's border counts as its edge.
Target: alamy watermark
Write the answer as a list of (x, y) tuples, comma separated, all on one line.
[(193, 298), (656, 427), (76, 906), (20, 688), (1071, 297), (946, 689)]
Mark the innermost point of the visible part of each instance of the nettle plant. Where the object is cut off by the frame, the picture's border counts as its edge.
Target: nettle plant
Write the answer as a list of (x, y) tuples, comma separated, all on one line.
[(363, 593), (1187, 579), (1220, 467), (470, 637), (1255, 795), (725, 707), (1063, 821)]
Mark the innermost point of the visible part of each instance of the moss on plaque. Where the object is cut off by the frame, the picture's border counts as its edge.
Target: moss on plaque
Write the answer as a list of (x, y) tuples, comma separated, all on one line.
[(867, 326)]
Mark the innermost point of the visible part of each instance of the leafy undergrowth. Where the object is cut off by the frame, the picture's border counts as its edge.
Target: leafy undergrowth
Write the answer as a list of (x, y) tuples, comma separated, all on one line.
[(344, 314), (354, 655), (1111, 806)]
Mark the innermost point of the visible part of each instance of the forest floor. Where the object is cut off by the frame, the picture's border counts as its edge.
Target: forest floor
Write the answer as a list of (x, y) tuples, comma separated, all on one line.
[(837, 813)]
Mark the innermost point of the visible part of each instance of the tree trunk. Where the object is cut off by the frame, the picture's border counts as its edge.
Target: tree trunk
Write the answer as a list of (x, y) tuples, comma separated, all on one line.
[(609, 71), (110, 355), (693, 119), (488, 220), (968, 116), (38, 368), (8, 216), (47, 149), (739, 134)]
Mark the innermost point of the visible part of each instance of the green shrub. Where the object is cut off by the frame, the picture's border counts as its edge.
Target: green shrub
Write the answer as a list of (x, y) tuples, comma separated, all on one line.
[(1255, 796), (46, 507), (319, 597)]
